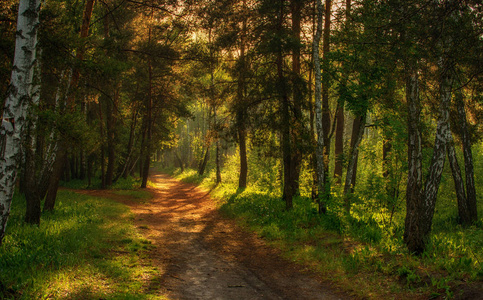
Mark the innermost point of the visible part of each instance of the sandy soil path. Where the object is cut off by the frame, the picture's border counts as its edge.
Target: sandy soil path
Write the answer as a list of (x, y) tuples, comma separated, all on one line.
[(201, 255)]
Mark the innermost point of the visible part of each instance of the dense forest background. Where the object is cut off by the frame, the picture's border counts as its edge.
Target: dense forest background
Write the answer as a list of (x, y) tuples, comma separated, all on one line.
[(360, 116)]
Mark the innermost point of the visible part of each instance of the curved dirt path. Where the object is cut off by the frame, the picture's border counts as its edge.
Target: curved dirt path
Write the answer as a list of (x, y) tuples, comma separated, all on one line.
[(201, 255)]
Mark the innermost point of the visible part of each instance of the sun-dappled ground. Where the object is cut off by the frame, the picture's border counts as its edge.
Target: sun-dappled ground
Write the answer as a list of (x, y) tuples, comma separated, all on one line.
[(201, 255)]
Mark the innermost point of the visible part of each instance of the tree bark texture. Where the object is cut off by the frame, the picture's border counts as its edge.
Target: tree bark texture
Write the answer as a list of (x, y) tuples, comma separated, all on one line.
[(421, 204), (468, 157), (321, 175), (412, 233), (326, 120), (297, 96), (339, 144), (288, 178), (17, 103), (463, 209), (241, 110)]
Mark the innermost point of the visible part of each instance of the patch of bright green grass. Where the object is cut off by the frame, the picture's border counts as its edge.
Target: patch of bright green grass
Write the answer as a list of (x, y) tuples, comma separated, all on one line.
[(86, 249)]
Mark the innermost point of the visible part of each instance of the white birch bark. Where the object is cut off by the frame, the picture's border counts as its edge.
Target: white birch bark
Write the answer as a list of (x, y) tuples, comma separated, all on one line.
[(17, 103), (318, 106)]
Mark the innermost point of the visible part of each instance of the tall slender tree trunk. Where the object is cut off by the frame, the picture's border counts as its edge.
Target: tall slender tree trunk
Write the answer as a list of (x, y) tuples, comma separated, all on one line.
[(17, 103), (288, 185), (298, 97), (340, 116), (111, 136), (463, 209), (468, 157), (218, 163), (130, 144), (241, 109), (326, 120), (339, 144), (386, 151), (204, 162), (321, 174), (149, 130), (350, 181)]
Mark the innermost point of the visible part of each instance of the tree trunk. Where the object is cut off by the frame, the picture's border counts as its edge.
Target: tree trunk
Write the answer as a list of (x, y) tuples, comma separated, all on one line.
[(298, 97), (463, 209), (218, 163), (443, 134), (242, 179), (111, 135), (420, 210), (204, 162), (468, 157), (326, 121), (180, 162), (386, 151), (412, 231), (53, 184), (339, 145), (17, 103), (350, 182), (288, 185), (321, 175), (241, 110), (149, 130)]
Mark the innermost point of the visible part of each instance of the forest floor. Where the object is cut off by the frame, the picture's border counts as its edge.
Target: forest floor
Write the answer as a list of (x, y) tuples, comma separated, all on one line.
[(199, 254)]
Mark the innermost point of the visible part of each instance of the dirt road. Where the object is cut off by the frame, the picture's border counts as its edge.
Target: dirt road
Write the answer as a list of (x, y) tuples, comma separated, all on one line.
[(201, 255)]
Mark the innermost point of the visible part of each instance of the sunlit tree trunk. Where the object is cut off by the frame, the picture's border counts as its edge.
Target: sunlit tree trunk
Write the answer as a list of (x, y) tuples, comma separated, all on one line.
[(149, 123), (351, 175), (218, 162), (297, 96), (17, 103), (321, 175), (326, 120), (204, 161), (339, 144), (241, 113)]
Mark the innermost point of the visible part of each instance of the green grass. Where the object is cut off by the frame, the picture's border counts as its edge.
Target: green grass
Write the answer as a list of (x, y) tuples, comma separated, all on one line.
[(86, 249)]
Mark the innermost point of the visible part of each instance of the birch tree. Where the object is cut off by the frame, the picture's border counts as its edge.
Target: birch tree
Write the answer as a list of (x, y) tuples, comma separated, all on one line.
[(17, 103), (321, 178)]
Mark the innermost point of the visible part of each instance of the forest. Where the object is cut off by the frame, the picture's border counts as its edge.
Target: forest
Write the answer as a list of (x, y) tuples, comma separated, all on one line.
[(346, 133)]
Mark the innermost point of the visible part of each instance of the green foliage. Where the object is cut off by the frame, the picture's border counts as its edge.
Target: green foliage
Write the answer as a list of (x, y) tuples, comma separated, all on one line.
[(86, 248)]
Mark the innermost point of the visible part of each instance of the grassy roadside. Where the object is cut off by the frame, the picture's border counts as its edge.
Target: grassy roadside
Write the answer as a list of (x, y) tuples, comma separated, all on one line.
[(87, 248), (357, 254)]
